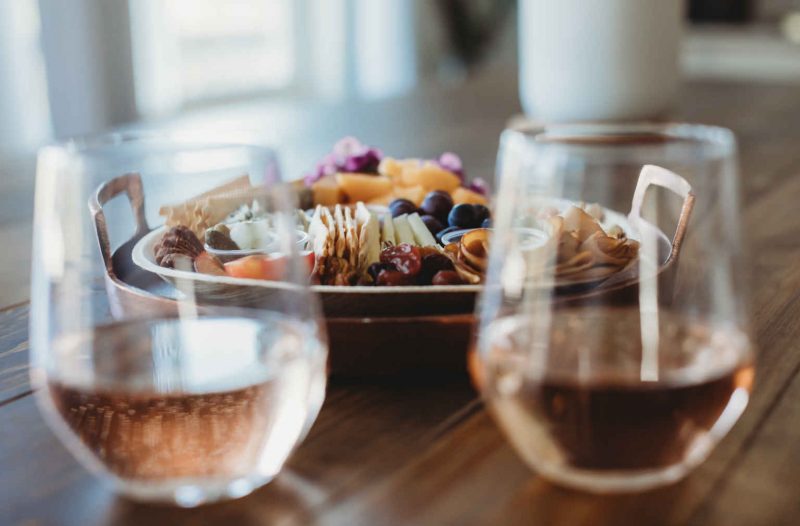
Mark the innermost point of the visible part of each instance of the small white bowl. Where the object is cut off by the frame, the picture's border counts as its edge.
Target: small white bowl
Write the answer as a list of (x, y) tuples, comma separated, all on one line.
[(272, 246)]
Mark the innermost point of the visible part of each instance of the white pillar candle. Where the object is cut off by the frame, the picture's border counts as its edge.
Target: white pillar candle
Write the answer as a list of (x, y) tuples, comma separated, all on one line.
[(599, 59)]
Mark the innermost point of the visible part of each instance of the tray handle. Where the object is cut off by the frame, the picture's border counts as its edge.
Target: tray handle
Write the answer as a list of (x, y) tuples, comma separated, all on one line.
[(656, 175), (131, 185)]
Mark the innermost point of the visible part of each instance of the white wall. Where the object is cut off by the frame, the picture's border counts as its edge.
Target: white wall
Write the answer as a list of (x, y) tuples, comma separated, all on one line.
[(24, 112)]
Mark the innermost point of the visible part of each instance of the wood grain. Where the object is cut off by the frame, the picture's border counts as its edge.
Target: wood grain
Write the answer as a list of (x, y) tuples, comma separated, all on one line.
[(422, 453), (363, 433), (13, 353)]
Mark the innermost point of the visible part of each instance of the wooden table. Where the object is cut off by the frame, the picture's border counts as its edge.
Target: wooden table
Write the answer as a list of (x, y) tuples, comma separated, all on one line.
[(416, 453)]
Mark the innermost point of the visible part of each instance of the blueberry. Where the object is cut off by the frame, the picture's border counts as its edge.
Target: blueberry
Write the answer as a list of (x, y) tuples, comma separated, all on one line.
[(481, 214), (462, 216), (434, 225), (487, 223)]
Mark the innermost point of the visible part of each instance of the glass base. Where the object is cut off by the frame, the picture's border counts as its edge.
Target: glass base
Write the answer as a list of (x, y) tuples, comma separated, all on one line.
[(614, 481), (190, 492)]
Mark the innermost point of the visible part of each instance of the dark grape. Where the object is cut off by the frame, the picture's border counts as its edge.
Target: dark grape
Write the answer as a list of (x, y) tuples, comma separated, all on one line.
[(487, 223), (462, 216), (434, 225), (445, 231), (431, 264), (447, 277), (481, 214), (376, 269), (438, 204), (406, 258), (399, 207)]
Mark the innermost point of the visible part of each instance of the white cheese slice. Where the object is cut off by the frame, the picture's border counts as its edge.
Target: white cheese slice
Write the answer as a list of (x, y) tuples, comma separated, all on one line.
[(387, 233), (422, 235), (402, 231)]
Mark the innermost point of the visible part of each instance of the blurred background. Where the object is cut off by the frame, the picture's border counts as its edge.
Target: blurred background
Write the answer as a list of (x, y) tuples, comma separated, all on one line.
[(299, 74)]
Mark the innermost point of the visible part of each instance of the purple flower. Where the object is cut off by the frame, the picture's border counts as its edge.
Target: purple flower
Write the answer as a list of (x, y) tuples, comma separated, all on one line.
[(366, 162), (479, 185), (452, 163), (348, 155)]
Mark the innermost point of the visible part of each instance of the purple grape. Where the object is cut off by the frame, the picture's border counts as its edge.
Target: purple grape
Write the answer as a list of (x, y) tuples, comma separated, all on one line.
[(434, 225), (438, 204), (462, 216), (399, 207), (481, 214)]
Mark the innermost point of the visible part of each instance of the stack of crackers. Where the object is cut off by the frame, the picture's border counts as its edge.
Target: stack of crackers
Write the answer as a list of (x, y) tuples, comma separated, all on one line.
[(345, 243)]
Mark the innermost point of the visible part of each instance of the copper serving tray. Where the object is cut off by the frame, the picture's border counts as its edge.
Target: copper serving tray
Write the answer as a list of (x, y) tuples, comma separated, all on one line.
[(420, 330)]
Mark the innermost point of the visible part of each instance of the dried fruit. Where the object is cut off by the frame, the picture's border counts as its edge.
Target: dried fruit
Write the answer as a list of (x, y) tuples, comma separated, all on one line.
[(376, 268), (431, 264), (206, 263), (447, 277), (405, 257), (217, 239), (393, 278), (177, 241)]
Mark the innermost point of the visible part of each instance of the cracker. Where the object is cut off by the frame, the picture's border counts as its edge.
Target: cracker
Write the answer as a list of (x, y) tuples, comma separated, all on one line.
[(351, 236)]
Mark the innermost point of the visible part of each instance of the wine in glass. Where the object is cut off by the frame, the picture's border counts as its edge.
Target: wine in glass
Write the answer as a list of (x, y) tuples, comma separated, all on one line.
[(170, 392), (615, 355)]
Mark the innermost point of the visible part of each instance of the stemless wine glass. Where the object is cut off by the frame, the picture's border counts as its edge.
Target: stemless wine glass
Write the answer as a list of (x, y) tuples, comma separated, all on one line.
[(615, 354), (159, 371)]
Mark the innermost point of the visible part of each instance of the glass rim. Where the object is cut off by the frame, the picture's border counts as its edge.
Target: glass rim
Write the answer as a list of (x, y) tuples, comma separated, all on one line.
[(587, 134), (86, 144)]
